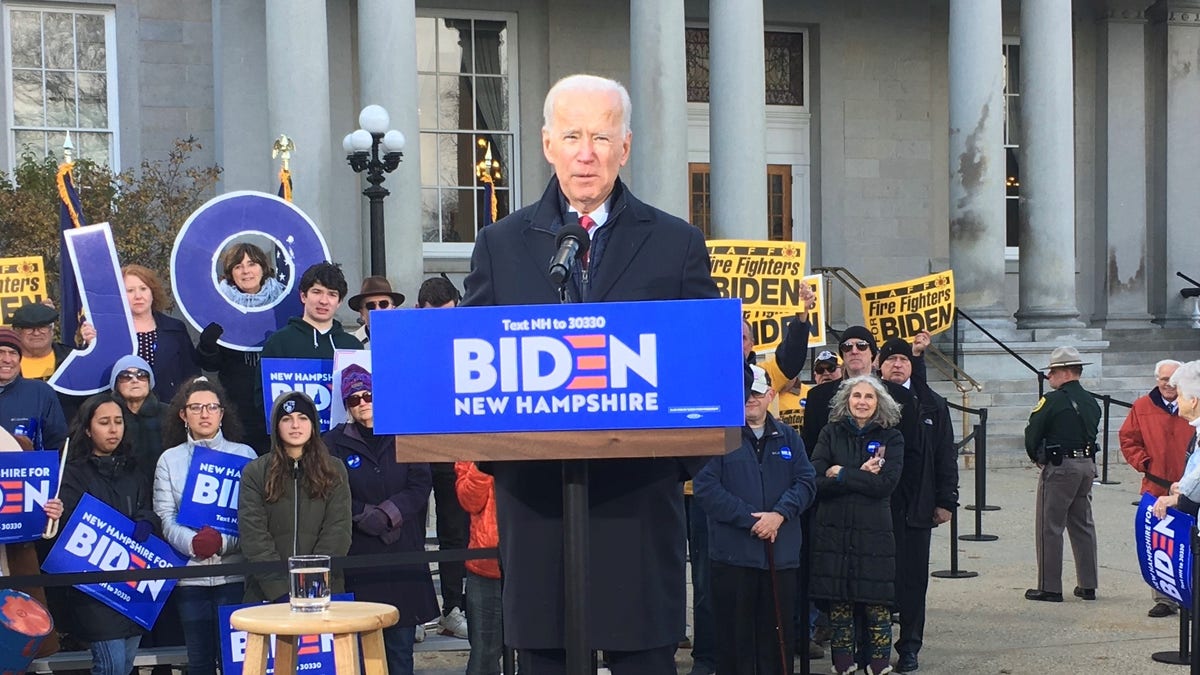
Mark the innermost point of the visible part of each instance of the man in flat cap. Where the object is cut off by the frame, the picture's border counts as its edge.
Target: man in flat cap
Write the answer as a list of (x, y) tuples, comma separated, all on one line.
[(34, 324), (1061, 439)]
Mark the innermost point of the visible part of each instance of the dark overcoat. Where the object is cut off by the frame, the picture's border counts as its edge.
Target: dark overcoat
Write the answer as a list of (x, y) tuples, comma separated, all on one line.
[(853, 550), (636, 594), (376, 476), (175, 357)]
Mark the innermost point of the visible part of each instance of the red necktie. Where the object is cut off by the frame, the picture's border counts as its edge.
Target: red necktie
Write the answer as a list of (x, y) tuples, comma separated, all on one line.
[(587, 224)]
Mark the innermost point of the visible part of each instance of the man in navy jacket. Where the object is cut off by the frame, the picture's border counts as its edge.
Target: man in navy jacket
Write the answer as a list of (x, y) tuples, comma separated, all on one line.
[(754, 497)]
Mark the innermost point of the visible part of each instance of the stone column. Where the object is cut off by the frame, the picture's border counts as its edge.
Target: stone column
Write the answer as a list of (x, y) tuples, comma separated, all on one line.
[(1047, 268), (387, 73), (658, 87), (1177, 126), (1120, 255), (977, 161), (737, 122), (298, 99)]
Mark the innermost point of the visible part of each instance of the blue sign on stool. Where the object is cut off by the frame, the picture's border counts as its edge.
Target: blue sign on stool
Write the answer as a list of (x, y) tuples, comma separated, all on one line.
[(593, 366)]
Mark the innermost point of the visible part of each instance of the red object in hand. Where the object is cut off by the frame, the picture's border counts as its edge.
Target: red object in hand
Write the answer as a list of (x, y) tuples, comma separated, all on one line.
[(206, 543)]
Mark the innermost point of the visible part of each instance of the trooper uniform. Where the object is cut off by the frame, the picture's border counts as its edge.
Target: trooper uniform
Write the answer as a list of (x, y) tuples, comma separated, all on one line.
[(1061, 436)]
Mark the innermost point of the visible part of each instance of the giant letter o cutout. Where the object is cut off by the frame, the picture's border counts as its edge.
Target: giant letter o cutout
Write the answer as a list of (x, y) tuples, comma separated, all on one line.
[(204, 236)]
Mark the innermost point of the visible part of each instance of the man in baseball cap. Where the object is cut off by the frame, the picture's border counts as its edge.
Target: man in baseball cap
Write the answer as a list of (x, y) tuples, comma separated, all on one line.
[(826, 367)]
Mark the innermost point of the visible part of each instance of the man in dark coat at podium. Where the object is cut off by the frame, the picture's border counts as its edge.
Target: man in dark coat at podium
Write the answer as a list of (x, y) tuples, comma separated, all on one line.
[(636, 599)]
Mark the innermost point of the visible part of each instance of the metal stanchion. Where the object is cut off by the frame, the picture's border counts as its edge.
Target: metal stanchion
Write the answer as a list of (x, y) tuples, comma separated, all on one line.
[(980, 480), (953, 572), (1104, 445), (1188, 646)]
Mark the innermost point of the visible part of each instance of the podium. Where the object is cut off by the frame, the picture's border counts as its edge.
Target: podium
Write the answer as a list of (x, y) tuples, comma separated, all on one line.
[(574, 448)]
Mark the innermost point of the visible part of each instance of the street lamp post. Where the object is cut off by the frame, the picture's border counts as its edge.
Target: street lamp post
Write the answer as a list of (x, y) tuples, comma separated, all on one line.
[(363, 147)]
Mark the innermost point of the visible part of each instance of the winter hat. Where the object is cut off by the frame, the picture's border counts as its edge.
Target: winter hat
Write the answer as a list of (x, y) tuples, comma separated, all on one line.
[(895, 346), (294, 402), (125, 363), (860, 333), (8, 338), (355, 378)]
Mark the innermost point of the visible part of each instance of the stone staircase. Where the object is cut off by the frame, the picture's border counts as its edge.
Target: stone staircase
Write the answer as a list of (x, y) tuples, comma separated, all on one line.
[(1124, 361)]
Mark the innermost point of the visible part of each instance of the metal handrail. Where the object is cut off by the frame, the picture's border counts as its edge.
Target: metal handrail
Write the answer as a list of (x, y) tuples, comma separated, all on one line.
[(1020, 359), (944, 365)]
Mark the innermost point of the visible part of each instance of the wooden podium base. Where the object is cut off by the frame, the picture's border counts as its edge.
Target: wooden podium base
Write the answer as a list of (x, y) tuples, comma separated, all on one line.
[(530, 445)]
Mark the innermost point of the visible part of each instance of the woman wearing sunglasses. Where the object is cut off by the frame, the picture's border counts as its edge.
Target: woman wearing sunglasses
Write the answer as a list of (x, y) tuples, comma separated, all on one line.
[(376, 293), (389, 500), (197, 418), (132, 384)]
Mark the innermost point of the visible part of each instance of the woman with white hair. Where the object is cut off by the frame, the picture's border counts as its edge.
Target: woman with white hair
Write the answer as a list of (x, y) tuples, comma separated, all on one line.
[(858, 458), (1185, 495)]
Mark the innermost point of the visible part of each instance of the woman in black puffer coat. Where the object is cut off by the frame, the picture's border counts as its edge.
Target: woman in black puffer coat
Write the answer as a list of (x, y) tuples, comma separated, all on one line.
[(858, 458)]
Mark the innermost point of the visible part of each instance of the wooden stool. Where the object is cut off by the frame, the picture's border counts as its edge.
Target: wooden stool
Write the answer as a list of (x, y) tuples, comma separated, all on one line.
[(345, 620)]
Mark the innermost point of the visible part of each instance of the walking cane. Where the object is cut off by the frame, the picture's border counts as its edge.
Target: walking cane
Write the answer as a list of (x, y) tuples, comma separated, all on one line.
[(783, 664), (51, 530)]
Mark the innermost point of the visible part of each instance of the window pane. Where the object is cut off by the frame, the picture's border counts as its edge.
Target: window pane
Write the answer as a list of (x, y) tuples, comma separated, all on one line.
[(696, 46), (429, 158), (427, 101), (30, 142), (93, 146), (456, 160), (89, 42), (26, 29), (60, 99), (784, 68), (59, 40), (426, 47), (27, 98), (1012, 121), (489, 47), (491, 98), (454, 46), (458, 215), (450, 99), (93, 100), (1013, 82), (430, 215)]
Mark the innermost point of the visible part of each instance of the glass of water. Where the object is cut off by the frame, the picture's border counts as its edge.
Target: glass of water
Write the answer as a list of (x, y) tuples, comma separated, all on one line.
[(310, 589)]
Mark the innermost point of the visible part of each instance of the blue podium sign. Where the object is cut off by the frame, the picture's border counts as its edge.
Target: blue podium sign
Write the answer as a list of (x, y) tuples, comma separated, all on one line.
[(1164, 550), (632, 365)]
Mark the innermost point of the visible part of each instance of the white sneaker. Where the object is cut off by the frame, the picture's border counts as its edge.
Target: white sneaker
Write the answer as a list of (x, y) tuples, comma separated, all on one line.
[(454, 624), (419, 636)]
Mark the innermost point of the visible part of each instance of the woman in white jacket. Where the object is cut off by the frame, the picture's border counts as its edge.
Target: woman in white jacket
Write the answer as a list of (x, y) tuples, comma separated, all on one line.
[(197, 417)]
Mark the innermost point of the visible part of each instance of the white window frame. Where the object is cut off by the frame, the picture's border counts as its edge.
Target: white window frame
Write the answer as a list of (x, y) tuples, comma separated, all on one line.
[(459, 250), (110, 59), (1011, 253)]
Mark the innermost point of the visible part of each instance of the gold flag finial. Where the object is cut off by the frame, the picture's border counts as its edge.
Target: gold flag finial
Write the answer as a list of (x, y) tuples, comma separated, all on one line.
[(283, 149)]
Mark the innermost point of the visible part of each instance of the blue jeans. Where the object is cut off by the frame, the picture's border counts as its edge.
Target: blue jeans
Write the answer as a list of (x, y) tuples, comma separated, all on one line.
[(398, 644), (114, 657), (198, 614), (485, 616), (704, 648)]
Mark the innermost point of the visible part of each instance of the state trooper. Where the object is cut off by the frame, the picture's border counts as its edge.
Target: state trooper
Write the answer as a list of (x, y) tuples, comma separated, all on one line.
[(1061, 439)]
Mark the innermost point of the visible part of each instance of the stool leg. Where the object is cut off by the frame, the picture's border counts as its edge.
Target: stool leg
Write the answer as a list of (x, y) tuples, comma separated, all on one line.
[(285, 654), (374, 656), (256, 655), (345, 653)]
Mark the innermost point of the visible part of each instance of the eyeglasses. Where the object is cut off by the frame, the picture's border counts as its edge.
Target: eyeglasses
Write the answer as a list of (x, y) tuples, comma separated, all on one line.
[(852, 345), (36, 329), (824, 370), (198, 408), (354, 400), (377, 304), (1163, 380), (131, 375)]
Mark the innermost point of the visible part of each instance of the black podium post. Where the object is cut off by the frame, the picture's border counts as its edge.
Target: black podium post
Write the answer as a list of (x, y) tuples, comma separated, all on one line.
[(575, 560)]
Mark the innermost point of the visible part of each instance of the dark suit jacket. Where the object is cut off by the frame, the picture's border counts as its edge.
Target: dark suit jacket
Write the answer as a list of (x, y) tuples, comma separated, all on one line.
[(636, 594)]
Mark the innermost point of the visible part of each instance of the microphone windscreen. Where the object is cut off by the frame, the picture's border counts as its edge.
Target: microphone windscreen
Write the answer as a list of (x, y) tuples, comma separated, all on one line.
[(576, 232)]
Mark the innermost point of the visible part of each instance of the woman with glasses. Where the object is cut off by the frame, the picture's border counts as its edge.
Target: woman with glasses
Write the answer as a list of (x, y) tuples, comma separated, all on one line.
[(196, 418), (101, 463), (162, 341), (389, 501), (132, 382), (858, 458)]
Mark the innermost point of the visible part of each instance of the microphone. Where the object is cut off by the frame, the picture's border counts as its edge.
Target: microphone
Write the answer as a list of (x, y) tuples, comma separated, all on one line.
[(572, 241)]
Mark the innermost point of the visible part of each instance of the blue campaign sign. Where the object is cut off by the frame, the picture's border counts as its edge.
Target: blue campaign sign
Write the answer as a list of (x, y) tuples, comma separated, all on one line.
[(314, 653), (1164, 550), (231, 218), (98, 276), (633, 365), (97, 538), (210, 493), (27, 480), (311, 376)]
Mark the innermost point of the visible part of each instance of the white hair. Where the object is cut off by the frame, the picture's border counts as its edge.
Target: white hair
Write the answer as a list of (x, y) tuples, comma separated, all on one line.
[(1166, 362), (1187, 379), (592, 84)]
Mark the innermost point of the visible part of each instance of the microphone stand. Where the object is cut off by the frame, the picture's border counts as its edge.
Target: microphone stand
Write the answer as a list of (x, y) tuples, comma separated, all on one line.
[(579, 657)]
